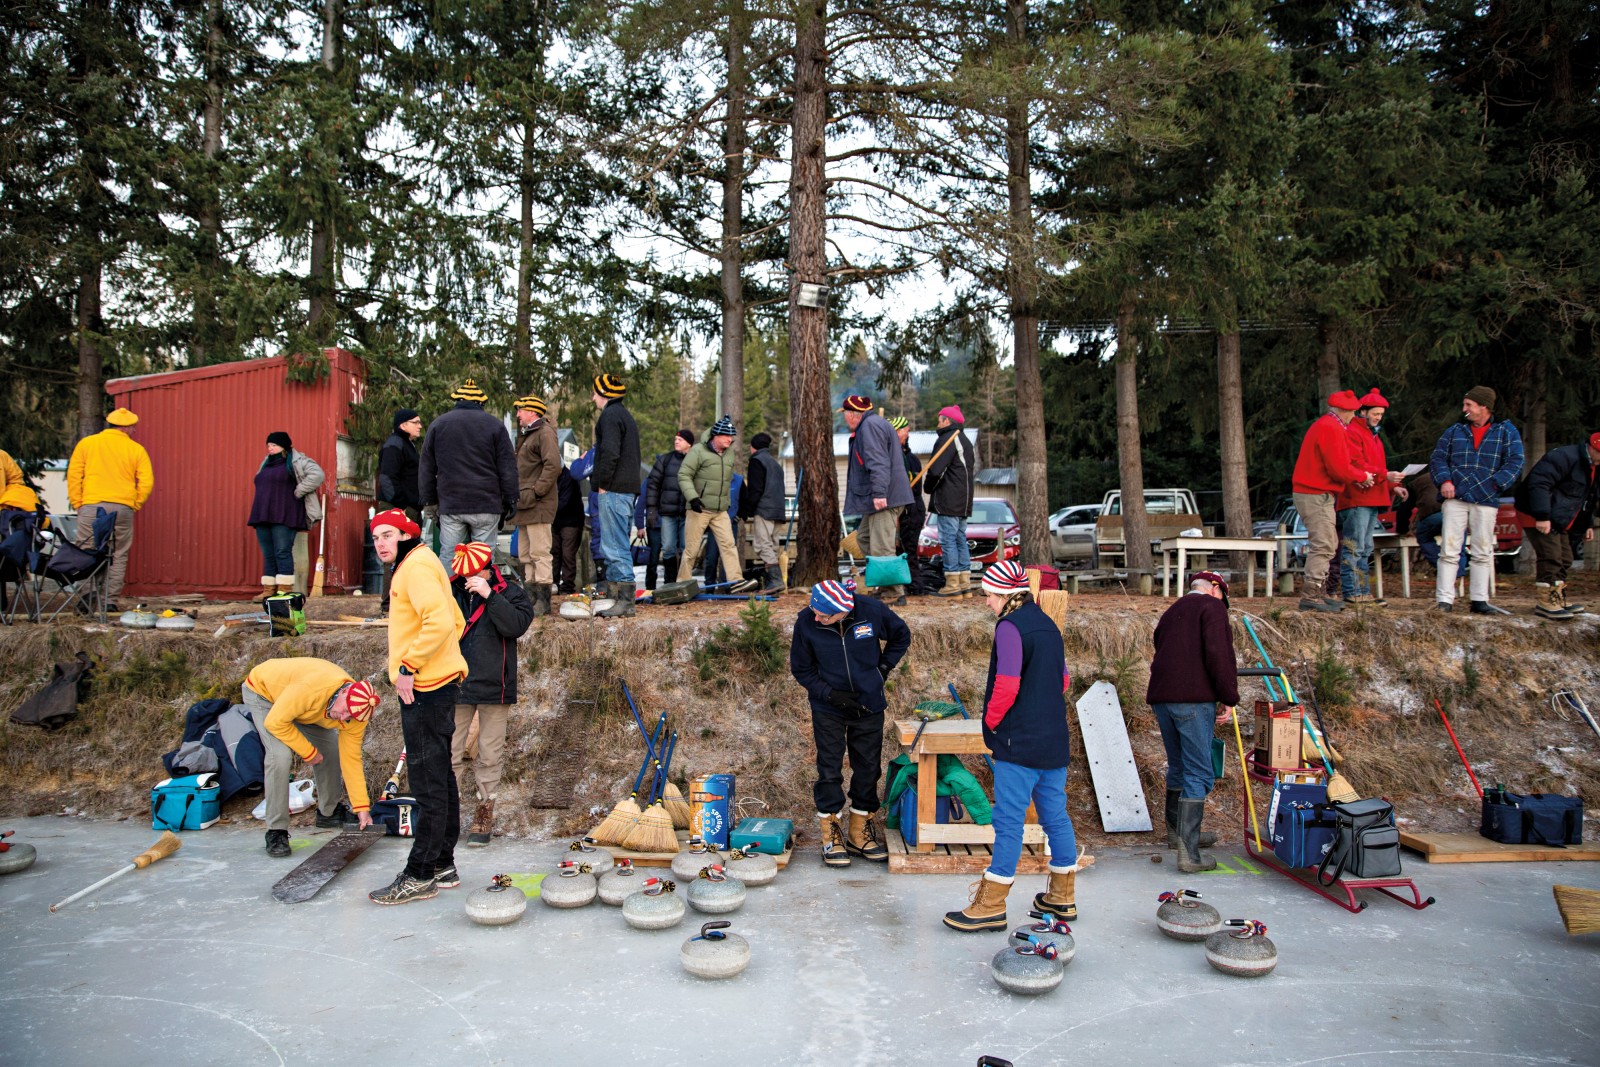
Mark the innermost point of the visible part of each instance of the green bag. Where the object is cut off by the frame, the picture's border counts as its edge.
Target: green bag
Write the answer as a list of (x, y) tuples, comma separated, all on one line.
[(286, 615), (954, 781), (1219, 756), (887, 570)]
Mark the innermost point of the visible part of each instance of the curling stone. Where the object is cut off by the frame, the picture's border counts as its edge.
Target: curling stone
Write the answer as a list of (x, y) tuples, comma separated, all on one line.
[(1243, 950), (174, 622), (751, 867), (1183, 917), (18, 857), (714, 952), (617, 884), (687, 865), (588, 850), (1029, 969), (572, 886), (656, 906), (498, 904), (138, 620), (714, 893), (1047, 931)]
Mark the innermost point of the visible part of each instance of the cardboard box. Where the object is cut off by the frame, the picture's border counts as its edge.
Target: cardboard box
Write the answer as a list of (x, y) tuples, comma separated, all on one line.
[(1277, 734)]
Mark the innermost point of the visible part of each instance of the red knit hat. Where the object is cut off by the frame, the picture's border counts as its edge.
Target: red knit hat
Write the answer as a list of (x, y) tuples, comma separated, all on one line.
[(856, 403), (470, 558), (1344, 400), (1594, 441), (361, 700), (399, 520), (1374, 399)]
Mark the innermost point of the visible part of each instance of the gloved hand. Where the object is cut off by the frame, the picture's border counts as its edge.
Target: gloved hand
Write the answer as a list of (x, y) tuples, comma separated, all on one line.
[(696, 507), (845, 700), (508, 515), (431, 512)]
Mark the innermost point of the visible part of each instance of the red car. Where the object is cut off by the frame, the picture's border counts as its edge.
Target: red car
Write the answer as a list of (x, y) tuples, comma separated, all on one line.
[(992, 533)]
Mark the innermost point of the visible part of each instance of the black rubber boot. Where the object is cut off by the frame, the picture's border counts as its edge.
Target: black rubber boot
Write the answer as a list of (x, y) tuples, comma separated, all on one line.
[(278, 843), (774, 581), (1173, 795), (622, 593), (1190, 859)]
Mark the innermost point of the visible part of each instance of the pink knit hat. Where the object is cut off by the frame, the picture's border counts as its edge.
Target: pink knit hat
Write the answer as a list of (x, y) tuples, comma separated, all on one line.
[(953, 413)]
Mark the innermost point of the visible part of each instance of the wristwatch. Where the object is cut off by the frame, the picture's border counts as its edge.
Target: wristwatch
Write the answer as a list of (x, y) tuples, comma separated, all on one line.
[(406, 670)]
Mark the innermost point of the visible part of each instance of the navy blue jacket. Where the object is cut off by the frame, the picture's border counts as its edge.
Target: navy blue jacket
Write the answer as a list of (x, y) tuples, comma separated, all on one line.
[(1034, 732), (855, 655), (1560, 489), (467, 466), (875, 468)]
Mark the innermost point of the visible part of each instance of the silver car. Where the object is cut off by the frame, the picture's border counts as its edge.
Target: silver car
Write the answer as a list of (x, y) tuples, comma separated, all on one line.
[(1072, 532)]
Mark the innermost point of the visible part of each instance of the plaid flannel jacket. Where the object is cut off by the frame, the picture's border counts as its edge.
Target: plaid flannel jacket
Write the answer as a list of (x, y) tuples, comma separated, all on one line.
[(1483, 474)]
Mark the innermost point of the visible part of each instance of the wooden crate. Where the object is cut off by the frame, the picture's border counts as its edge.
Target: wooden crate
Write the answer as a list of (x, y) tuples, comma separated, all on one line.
[(664, 859), (956, 858), (1475, 848)]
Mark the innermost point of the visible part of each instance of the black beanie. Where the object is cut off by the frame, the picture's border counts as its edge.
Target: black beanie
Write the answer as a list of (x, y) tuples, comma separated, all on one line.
[(281, 439), (403, 415), (760, 441), (687, 435)]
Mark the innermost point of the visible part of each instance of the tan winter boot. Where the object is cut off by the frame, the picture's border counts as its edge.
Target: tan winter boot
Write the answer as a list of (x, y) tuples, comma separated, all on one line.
[(1060, 895), (1561, 593), (834, 851), (988, 908), (285, 583), (481, 832), (862, 839), (1548, 599), (269, 586)]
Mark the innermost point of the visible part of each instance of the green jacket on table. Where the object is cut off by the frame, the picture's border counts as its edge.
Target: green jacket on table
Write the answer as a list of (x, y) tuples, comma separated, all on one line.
[(954, 781)]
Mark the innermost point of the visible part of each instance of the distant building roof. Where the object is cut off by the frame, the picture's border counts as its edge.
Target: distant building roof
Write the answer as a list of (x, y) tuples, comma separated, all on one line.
[(997, 476)]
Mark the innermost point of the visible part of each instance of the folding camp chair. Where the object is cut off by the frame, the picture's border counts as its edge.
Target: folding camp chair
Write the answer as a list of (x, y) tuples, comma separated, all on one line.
[(79, 573), (22, 535)]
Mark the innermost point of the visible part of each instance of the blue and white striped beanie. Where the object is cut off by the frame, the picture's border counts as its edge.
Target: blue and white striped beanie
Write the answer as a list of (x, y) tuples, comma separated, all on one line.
[(724, 428), (831, 598)]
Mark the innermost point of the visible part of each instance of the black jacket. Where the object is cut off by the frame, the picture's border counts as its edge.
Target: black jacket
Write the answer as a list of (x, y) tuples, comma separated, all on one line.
[(761, 496), (616, 450), (397, 472), (917, 513), (950, 480), (1034, 732), (467, 465), (489, 643), (1560, 489), (570, 509), (854, 656), (662, 496)]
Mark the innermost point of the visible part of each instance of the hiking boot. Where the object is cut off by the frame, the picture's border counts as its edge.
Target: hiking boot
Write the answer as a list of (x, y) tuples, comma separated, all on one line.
[(1060, 896), (1173, 795), (894, 595), (622, 593), (1190, 859), (987, 911), (403, 890), (1483, 607), (540, 598), (774, 581), (744, 585), (862, 840), (834, 851), (447, 877), (341, 815), (481, 832), (1561, 594), (1317, 603), (1443, 607), (1548, 602), (278, 843)]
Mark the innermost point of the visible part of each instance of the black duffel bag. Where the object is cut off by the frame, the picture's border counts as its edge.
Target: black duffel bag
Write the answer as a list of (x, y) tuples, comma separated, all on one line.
[(1531, 818), (1366, 843)]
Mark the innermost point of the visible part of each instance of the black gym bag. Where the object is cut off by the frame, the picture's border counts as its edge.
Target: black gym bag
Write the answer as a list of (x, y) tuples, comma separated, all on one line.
[(1531, 818), (1366, 843)]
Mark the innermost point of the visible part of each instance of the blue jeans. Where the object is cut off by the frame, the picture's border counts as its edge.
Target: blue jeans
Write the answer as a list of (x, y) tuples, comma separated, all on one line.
[(1014, 786), (671, 540), (277, 550), (1186, 731), (1427, 533), (1356, 527), (953, 543), (616, 534)]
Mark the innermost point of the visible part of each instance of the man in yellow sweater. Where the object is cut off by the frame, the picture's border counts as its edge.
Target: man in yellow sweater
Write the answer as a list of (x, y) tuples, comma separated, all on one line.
[(426, 667), (312, 709), (110, 471)]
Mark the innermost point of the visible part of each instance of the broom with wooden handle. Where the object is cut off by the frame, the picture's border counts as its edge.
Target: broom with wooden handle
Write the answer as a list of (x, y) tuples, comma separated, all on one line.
[(653, 832), (625, 815), (1580, 908), (165, 845), (1340, 791), (322, 544)]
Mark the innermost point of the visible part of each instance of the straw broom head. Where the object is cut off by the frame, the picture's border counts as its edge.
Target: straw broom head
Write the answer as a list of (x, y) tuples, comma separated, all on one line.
[(615, 826), (677, 807), (1580, 908), (1340, 791), (653, 832)]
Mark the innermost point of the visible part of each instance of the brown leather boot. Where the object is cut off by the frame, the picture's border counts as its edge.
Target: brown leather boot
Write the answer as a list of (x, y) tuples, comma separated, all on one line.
[(834, 852), (862, 840), (987, 910), (1060, 897), (481, 832)]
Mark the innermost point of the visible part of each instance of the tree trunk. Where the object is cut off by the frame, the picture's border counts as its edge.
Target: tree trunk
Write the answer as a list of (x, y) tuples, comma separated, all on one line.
[(1033, 483), (87, 63), (1538, 414), (522, 343), (1130, 460), (91, 399), (1327, 363), (1230, 427), (203, 348), (320, 321), (732, 254), (809, 400)]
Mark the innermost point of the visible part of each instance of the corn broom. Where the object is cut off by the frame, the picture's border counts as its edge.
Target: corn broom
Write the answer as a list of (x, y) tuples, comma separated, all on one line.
[(625, 815), (1580, 908), (653, 830), (165, 845), (676, 806)]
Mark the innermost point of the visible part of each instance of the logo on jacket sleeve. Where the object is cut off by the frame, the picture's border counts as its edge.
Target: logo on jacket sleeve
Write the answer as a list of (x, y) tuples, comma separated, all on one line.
[(863, 630)]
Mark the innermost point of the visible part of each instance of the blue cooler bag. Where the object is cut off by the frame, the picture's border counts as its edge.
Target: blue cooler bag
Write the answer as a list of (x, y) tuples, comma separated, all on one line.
[(190, 803), (1301, 831), (945, 809), (887, 570)]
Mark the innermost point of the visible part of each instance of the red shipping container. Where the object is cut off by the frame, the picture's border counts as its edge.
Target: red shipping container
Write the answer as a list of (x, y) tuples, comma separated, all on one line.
[(206, 431)]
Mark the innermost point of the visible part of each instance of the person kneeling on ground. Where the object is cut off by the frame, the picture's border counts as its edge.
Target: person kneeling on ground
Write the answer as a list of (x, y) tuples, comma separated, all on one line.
[(843, 650), (1025, 726), (1193, 681), (312, 709), (497, 612), (426, 668)]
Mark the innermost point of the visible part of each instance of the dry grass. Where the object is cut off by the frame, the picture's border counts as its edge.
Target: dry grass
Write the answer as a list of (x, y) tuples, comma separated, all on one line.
[(1495, 681)]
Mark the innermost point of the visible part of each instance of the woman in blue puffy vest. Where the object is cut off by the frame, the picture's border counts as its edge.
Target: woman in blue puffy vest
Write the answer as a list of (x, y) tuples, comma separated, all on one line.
[(1025, 726)]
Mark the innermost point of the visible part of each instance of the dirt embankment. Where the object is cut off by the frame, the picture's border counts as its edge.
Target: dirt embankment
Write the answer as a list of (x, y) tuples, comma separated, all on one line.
[(729, 696)]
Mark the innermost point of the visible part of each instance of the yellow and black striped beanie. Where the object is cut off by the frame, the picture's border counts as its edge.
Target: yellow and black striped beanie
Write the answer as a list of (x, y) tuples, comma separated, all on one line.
[(530, 403), (609, 386), (468, 390)]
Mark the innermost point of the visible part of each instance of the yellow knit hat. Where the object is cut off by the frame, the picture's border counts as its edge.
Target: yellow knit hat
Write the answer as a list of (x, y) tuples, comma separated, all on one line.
[(530, 403), (122, 417), (468, 390), (609, 386)]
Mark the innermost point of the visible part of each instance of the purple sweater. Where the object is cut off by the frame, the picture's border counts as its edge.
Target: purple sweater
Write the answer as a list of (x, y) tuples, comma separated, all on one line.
[(1194, 661)]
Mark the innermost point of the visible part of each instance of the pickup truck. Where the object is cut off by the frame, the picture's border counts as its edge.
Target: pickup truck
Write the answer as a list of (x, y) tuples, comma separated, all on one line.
[(1168, 513)]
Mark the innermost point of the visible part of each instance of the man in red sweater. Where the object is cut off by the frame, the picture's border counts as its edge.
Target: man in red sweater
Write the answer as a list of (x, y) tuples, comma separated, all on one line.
[(1359, 507), (1321, 472)]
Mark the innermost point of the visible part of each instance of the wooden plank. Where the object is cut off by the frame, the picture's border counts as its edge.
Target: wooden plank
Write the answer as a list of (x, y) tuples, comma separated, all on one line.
[(970, 834), (949, 860), (664, 859), (927, 796), (950, 736), (1111, 765), (1475, 848)]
